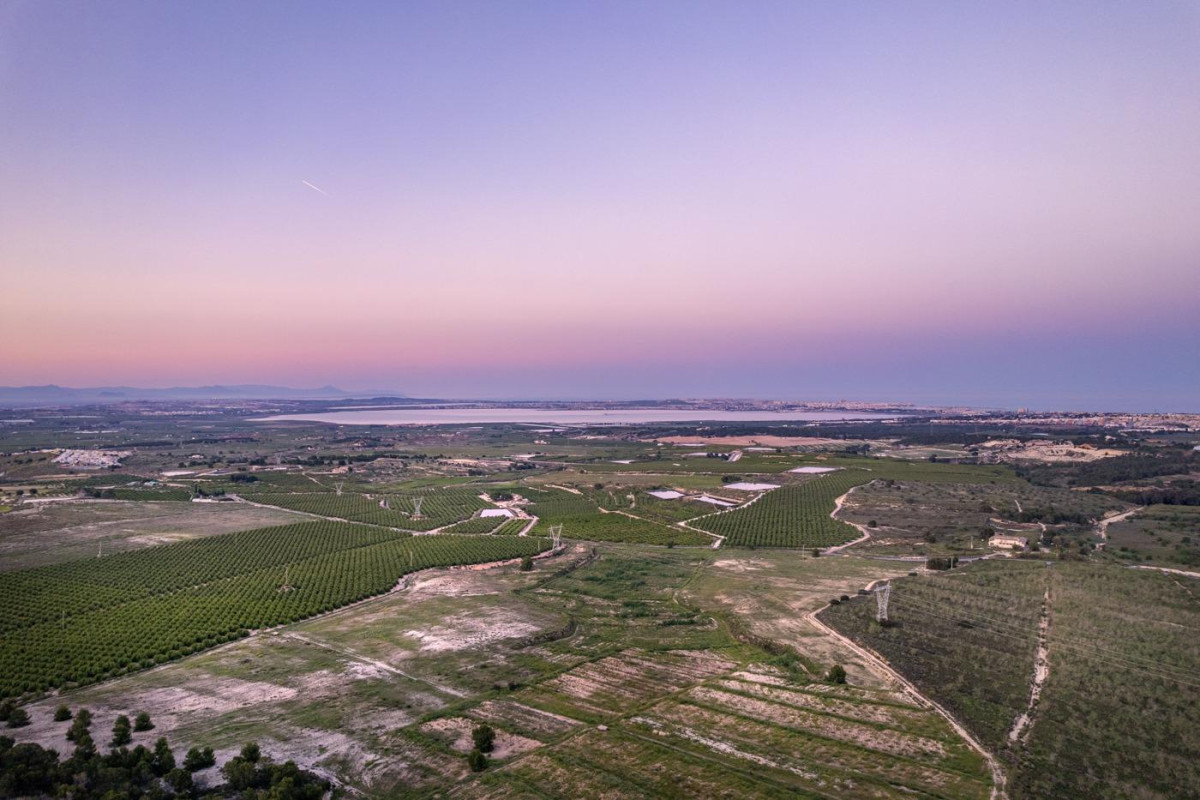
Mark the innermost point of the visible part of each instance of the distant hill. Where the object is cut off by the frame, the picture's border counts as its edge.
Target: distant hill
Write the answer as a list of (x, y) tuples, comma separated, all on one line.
[(63, 395)]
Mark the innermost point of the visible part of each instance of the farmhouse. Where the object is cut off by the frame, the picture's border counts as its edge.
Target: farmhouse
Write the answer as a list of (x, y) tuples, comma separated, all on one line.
[(1006, 542)]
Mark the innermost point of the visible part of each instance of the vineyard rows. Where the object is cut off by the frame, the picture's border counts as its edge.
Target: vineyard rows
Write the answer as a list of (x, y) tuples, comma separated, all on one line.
[(115, 628), (792, 516)]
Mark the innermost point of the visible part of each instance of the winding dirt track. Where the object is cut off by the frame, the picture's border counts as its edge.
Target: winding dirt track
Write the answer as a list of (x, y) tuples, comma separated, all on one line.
[(881, 668), (837, 506)]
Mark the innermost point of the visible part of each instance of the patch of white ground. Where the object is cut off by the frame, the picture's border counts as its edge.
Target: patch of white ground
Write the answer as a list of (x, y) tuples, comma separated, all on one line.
[(456, 732)]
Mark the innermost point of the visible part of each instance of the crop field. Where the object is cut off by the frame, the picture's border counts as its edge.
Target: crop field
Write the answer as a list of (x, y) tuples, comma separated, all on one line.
[(438, 507), (477, 525), (511, 527), (177, 495), (792, 516), (1119, 714), (581, 518), (85, 621), (53, 533)]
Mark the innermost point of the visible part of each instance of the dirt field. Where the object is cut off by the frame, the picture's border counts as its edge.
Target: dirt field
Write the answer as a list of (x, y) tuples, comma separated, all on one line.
[(50, 533)]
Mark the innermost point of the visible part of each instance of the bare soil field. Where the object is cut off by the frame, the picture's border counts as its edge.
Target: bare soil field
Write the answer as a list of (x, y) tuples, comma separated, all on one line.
[(51, 533)]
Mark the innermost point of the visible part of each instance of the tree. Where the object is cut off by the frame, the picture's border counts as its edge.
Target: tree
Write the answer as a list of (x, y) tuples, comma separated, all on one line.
[(85, 748), (181, 781), (837, 674), (62, 714), (197, 759), (164, 759), (142, 722), (79, 727), (18, 718), (526, 564), (484, 738), (477, 761), (251, 752), (26, 770), (6, 709), (121, 732)]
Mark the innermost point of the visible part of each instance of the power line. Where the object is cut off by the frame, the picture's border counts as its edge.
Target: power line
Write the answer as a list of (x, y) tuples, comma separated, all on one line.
[(1095, 653)]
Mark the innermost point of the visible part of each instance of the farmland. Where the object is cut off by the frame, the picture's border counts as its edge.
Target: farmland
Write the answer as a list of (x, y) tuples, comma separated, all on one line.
[(85, 621), (793, 516), (438, 508), (670, 650), (581, 518), (1123, 661)]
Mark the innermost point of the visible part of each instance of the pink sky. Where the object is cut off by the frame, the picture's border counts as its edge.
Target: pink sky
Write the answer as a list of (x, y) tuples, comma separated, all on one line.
[(558, 188)]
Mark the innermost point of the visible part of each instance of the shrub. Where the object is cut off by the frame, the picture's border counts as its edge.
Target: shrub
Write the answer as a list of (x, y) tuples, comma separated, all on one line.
[(142, 722), (197, 759), (837, 674), (18, 718), (484, 737), (477, 761), (62, 714)]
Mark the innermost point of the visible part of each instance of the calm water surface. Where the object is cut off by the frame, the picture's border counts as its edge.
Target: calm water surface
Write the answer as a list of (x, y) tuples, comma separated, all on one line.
[(550, 416)]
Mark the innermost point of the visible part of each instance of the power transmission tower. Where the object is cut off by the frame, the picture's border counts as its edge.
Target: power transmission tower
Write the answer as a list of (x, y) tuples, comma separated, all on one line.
[(556, 537), (417, 507), (883, 593), (338, 487)]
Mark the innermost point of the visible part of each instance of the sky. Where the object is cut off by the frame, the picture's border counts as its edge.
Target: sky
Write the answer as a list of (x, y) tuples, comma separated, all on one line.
[(981, 203)]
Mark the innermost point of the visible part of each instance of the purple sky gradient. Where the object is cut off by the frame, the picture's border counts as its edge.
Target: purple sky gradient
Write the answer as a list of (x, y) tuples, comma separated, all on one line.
[(996, 204)]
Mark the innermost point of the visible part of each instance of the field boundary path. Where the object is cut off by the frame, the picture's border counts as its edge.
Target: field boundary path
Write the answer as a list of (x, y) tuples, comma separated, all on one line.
[(718, 538), (1103, 523), (884, 670), (1041, 673), (863, 529), (1169, 570)]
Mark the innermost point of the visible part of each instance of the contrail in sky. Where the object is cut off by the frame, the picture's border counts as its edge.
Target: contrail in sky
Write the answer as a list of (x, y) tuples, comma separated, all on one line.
[(315, 188)]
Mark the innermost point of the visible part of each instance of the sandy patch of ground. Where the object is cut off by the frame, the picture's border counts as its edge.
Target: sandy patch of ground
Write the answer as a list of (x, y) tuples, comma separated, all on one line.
[(459, 583), (456, 731), (533, 720), (468, 630), (1050, 452), (742, 564), (863, 735)]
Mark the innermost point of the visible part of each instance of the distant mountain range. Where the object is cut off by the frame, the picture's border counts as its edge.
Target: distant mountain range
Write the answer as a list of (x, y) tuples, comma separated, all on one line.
[(63, 395)]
